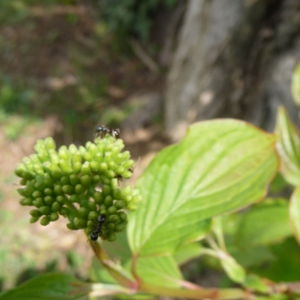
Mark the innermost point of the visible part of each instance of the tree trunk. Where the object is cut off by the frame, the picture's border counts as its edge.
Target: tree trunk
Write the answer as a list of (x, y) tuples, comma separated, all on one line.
[(233, 59)]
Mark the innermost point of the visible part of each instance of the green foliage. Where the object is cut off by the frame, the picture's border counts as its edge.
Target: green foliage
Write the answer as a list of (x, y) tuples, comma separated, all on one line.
[(200, 198), (14, 99), (288, 148), (15, 105), (132, 17), (12, 11), (52, 286)]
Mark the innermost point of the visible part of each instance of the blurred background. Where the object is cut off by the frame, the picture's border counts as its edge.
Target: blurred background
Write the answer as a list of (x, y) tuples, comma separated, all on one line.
[(148, 67)]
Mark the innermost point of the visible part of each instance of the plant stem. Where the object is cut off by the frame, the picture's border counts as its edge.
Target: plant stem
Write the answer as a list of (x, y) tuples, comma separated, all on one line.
[(115, 270)]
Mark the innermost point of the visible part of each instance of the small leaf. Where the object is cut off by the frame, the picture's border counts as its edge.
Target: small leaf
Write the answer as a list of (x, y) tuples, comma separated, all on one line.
[(52, 286), (296, 85), (285, 265), (256, 283), (187, 252), (220, 166), (232, 268), (264, 224), (295, 213), (288, 147)]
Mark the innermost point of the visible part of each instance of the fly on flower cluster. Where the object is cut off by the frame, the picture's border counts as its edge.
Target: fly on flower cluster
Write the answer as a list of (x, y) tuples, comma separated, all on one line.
[(102, 131), (98, 228)]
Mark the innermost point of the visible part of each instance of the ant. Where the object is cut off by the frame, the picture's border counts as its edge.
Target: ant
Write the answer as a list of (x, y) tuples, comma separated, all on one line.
[(98, 228), (102, 131)]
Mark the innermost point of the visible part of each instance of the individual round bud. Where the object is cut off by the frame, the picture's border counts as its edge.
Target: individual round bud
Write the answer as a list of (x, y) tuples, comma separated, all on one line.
[(26, 201), (55, 207), (35, 213), (92, 215), (65, 166), (55, 171), (110, 173), (71, 226), (113, 218), (33, 219), (112, 210), (54, 216), (64, 211), (78, 188), (108, 200), (73, 149), (48, 191), (23, 192), (119, 204), (83, 211), (58, 189), (48, 200), (73, 199), (79, 223), (64, 180), (67, 189), (36, 194), (85, 180), (94, 165), (20, 171), (38, 202), (63, 152), (23, 181), (103, 166), (73, 179), (45, 210), (77, 166), (98, 197), (45, 220), (60, 199), (91, 147)]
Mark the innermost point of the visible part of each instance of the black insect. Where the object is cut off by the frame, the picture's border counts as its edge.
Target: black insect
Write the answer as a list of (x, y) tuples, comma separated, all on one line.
[(102, 131), (98, 228)]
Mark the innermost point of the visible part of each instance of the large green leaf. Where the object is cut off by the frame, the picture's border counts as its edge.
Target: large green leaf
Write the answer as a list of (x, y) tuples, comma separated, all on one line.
[(295, 213), (52, 286), (218, 167), (288, 148)]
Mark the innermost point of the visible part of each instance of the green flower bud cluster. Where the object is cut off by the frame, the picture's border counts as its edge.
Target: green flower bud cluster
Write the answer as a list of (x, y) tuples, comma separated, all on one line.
[(80, 184)]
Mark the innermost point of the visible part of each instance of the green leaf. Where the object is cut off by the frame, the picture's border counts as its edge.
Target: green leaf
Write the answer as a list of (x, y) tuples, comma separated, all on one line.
[(187, 252), (52, 286), (118, 249), (285, 265), (220, 166), (294, 211), (160, 271), (288, 147), (232, 268), (253, 256), (296, 85), (256, 283), (264, 224)]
